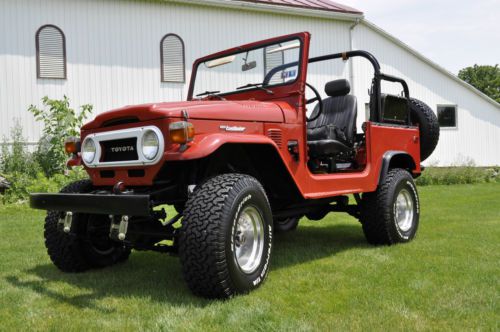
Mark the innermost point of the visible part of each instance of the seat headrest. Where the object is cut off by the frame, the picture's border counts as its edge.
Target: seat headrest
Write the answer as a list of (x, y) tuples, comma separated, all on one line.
[(338, 88)]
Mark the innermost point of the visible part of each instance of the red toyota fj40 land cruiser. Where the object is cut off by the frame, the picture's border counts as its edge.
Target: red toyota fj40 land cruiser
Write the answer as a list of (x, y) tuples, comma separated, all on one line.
[(239, 159)]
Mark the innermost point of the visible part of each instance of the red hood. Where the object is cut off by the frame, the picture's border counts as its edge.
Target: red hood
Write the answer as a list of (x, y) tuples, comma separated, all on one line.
[(254, 111)]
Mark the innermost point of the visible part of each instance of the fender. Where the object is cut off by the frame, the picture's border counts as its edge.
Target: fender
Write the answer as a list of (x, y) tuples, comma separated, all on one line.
[(402, 160), (209, 144), (206, 144)]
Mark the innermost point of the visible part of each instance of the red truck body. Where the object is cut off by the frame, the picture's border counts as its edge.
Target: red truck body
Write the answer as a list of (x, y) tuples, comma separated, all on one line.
[(280, 116), (238, 166)]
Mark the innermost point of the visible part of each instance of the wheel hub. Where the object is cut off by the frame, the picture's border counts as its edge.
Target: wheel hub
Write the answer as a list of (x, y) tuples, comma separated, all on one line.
[(403, 210), (240, 238), (249, 239)]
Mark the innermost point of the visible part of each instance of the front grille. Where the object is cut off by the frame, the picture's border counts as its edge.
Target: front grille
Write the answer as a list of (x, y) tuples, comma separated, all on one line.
[(119, 150), (122, 148)]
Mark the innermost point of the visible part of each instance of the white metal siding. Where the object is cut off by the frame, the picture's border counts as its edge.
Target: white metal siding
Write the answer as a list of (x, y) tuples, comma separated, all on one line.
[(113, 50), (113, 60), (477, 135)]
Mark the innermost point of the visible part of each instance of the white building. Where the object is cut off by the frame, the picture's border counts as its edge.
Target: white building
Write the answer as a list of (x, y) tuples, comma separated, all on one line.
[(109, 53)]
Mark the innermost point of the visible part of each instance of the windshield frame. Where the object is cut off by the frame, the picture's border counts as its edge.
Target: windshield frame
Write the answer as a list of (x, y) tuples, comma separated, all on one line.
[(300, 37)]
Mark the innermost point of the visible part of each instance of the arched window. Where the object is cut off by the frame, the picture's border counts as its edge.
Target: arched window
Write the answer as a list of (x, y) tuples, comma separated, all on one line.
[(172, 59), (50, 52)]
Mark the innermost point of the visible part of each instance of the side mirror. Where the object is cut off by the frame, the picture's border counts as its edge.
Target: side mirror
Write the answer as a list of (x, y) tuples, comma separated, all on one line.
[(249, 66)]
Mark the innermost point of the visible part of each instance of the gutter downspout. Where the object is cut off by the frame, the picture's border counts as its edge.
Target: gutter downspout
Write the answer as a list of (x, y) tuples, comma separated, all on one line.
[(351, 46)]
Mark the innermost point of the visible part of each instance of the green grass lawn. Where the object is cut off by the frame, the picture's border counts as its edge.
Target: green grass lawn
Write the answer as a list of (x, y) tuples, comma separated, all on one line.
[(323, 277)]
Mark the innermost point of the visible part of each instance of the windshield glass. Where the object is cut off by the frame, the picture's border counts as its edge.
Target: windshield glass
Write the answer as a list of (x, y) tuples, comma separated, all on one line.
[(261, 67)]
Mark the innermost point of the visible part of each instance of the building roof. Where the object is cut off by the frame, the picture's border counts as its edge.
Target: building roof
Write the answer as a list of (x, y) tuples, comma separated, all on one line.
[(310, 8), (325, 5), (330, 10)]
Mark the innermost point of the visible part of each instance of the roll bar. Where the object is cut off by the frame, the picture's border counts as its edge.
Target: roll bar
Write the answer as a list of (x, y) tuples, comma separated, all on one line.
[(375, 112)]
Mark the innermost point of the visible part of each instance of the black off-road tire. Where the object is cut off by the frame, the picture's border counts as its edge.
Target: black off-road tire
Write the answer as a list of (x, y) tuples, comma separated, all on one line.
[(378, 210), (208, 231), (423, 116), (75, 252), (286, 225)]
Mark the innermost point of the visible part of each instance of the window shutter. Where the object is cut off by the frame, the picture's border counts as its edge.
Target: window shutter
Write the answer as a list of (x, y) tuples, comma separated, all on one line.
[(51, 52), (172, 59), (273, 60)]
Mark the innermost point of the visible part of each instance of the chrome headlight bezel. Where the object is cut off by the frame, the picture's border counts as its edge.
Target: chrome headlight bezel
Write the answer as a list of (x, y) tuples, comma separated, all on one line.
[(89, 150), (150, 151)]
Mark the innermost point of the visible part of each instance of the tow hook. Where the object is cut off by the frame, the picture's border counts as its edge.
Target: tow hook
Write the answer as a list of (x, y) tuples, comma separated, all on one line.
[(66, 222), (119, 230)]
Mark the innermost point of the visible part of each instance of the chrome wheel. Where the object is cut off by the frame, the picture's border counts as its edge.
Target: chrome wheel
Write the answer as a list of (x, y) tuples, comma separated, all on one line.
[(248, 242), (403, 210)]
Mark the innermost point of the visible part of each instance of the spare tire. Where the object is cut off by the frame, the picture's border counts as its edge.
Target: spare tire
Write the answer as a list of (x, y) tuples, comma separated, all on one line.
[(423, 116)]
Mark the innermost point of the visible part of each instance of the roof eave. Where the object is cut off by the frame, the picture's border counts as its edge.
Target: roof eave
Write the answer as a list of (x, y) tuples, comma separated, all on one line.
[(428, 61), (278, 9)]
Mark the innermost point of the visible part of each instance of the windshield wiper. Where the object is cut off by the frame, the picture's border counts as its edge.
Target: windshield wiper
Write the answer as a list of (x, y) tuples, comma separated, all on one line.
[(211, 94), (256, 85), (208, 93)]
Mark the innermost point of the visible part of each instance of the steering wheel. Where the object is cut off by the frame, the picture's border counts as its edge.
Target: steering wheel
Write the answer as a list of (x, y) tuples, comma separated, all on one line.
[(312, 100)]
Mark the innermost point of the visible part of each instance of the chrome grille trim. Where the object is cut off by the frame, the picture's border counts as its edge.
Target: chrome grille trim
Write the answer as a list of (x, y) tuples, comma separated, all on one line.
[(137, 132)]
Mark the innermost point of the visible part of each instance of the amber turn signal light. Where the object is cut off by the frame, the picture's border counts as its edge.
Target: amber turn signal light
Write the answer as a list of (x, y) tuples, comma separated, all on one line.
[(181, 132), (72, 145)]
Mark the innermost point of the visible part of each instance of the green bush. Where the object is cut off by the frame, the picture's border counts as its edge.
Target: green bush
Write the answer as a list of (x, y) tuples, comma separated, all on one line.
[(23, 184), (15, 156), (60, 122), (21, 169), (458, 175), (45, 169)]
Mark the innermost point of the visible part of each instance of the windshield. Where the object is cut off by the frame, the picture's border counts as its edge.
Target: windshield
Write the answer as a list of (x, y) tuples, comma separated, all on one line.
[(260, 68)]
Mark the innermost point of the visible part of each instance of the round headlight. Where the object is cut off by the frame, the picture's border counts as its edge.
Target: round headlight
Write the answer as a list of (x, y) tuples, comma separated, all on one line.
[(150, 145), (88, 150)]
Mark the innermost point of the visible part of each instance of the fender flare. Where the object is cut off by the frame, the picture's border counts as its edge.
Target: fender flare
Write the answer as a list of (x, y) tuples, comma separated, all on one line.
[(204, 145), (210, 143), (403, 157)]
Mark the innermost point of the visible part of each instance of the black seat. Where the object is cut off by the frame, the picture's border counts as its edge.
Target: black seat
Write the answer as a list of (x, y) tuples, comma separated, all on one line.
[(334, 130)]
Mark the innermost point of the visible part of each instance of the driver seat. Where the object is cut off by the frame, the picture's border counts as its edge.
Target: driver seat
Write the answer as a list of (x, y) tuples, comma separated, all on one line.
[(333, 132)]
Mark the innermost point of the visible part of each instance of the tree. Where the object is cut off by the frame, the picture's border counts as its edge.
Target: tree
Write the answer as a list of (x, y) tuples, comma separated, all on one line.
[(484, 78)]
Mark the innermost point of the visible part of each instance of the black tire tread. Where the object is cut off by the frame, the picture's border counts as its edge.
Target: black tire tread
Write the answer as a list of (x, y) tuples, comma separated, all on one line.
[(64, 251), (374, 217), (201, 243), (429, 131)]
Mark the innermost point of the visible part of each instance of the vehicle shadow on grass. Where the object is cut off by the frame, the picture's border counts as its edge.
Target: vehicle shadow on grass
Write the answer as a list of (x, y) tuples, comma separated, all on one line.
[(310, 243), (158, 278)]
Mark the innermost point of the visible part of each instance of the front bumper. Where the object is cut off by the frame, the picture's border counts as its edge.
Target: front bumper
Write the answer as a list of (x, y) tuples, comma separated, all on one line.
[(109, 204)]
